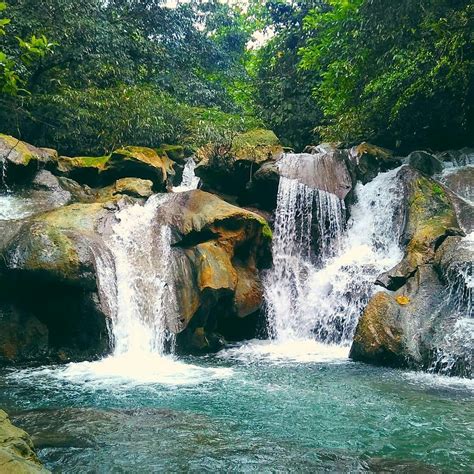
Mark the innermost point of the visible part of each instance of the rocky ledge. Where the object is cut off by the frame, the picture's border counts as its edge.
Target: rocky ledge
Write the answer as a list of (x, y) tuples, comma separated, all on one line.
[(51, 306)]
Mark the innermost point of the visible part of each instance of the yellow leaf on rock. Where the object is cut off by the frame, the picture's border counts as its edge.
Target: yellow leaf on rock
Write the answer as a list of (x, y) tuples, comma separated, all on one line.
[(403, 300)]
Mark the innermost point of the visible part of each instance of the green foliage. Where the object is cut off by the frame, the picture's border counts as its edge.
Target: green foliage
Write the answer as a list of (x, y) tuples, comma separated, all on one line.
[(283, 91), (28, 52), (395, 72), (123, 71)]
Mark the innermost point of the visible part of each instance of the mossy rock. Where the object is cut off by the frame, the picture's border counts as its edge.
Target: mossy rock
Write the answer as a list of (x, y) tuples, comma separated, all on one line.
[(126, 162), (430, 219), (256, 145), (229, 168), (425, 162), (17, 455), (174, 152), (366, 161), (21, 160), (52, 258), (378, 338)]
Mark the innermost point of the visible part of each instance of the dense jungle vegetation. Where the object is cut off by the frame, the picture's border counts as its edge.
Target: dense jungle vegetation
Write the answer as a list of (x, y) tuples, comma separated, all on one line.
[(88, 76)]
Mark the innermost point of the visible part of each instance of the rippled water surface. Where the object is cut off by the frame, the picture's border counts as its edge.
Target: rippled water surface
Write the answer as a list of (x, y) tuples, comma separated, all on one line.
[(260, 407)]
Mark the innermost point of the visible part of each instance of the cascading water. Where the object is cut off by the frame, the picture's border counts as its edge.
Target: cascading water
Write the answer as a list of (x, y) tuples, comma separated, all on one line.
[(322, 298), (189, 181), (286, 289), (145, 298)]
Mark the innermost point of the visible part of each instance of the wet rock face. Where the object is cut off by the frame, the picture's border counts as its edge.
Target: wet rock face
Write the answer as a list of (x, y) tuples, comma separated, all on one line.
[(17, 453), (420, 324), (325, 170), (429, 219), (460, 181), (50, 305), (366, 161)]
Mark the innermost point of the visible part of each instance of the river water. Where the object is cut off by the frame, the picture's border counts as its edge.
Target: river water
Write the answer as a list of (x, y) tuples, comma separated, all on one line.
[(260, 407)]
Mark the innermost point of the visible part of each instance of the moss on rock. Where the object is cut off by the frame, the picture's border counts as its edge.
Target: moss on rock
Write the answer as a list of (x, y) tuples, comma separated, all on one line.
[(17, 455)]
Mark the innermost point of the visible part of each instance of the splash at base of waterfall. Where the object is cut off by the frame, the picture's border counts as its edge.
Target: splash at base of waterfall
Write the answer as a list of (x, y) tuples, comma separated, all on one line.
[(128, 370), (296, 350), (136, 288)]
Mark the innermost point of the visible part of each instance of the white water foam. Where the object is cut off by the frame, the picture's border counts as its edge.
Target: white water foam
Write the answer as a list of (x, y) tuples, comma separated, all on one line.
[(189, 181), (437, 381), (323, 300), (125, 372), (15, 207)]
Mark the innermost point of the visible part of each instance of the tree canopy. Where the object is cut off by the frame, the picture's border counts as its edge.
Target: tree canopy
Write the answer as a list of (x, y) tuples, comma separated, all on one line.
[(87, 76)]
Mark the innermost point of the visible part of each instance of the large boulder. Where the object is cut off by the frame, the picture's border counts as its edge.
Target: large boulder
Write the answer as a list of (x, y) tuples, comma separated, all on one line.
[(460, 181), (19, 160), (221, 249), (424, 323), (126, 162), (48, 288), (324, 169), (229, 168), (17, 453), (430, 218)]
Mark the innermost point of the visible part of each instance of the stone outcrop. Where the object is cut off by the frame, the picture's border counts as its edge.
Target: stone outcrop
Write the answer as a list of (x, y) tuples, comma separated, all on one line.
[(53, 257), (19, 160), (50, 303), (324, 169), (17, 455), (126, 162), (229, 168), (366, 161), (430, 218), (221, 249)]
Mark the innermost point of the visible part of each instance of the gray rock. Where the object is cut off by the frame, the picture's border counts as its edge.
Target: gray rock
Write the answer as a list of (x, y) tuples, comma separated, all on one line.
[(425, 162)]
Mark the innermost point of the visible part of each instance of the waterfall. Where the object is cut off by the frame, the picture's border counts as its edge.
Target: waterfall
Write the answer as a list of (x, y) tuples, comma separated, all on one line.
[(4, 174), (321, 282), (136, 288), (140, 297), (189, 181)]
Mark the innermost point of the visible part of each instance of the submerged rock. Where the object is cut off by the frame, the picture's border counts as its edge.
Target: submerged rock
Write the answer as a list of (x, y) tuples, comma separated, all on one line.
[(17, 453)]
